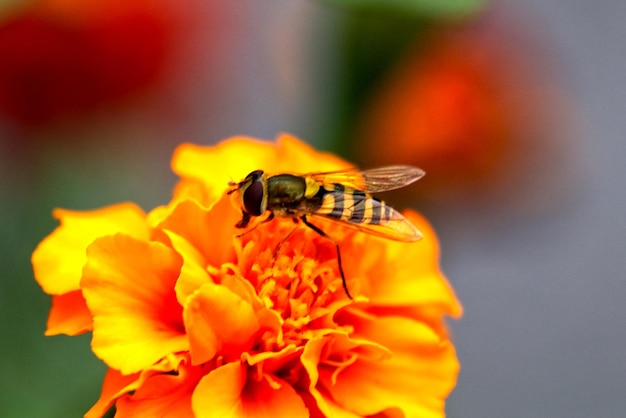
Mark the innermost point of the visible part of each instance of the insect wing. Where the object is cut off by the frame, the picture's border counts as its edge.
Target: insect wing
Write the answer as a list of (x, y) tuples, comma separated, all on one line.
[(371, 181), (360, 211)]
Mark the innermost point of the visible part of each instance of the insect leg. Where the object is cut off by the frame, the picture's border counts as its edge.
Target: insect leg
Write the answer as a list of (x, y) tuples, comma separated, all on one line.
[(282, 241), (246, 219), (323, 234)]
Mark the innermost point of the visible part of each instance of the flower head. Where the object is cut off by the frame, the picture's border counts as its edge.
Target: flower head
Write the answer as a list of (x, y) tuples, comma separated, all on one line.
[(195, 319)]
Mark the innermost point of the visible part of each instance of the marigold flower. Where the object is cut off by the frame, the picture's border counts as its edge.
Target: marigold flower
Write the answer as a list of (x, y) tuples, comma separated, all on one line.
[(446, 111), (194, 320)]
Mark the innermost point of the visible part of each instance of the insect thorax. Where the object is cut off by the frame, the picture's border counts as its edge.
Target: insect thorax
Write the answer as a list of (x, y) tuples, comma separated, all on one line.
[(284, 190)]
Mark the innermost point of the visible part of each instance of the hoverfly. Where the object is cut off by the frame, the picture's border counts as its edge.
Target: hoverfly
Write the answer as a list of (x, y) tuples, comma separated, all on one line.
[(341, 196)]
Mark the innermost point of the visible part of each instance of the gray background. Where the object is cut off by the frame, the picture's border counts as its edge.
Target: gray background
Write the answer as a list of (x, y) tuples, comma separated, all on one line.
[(543, 333)]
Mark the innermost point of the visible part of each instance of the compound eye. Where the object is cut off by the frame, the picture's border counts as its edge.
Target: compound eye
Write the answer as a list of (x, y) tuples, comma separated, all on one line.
[(255, 175), (253, 198)]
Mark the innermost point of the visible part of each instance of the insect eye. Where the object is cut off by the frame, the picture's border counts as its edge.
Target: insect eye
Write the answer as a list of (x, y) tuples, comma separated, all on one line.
[(253, 198), (255, 175)]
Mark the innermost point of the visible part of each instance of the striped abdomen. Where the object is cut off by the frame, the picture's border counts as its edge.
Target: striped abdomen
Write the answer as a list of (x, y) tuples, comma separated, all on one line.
[(350, 205)]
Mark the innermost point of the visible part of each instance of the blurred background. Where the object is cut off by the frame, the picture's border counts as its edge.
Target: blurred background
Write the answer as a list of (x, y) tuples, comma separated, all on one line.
[(514, 109)]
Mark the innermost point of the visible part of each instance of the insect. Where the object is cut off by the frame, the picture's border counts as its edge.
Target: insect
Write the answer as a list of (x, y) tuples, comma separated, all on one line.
[(341, 196)]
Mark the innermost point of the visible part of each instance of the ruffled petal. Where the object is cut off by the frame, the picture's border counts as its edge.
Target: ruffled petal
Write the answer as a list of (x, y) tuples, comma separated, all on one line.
[(234, 158), (209, 231), (416, 379), (193, 273), (403, 274), (218, 320), (59, 259), (162, 394), (69, 315), (115, 385), (142, 391), (228, 392), (230, 160), (129, 288), (335, 351), (193, 189)]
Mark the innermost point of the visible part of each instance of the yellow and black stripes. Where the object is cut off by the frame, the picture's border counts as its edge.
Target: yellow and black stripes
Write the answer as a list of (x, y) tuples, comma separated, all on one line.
[(341, 196), (355, 206)]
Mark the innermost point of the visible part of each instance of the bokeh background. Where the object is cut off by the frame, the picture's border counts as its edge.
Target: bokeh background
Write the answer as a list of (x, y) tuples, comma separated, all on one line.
[(514, 108)]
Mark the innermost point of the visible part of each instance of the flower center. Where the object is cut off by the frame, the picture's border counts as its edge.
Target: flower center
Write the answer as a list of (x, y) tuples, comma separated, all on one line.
[(296, 277)]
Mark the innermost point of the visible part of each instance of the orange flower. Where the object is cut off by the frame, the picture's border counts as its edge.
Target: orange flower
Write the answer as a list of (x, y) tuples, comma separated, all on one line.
[(193, 320), (445, 110)]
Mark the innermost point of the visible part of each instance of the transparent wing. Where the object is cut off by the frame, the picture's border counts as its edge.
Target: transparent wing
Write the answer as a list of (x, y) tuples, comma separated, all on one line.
[(373, 180), (369, 215)]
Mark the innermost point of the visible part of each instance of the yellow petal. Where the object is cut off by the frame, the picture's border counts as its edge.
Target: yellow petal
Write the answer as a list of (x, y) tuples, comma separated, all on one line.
[(234, 158), (58, 260), (193, 189), (193, 273), (209, 231), (129, 289), (214, 166), (218, 320), (228, 392)]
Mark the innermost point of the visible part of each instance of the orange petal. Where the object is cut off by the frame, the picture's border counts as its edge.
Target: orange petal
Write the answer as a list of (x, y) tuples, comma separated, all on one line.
[(162, 394), (403, 274), (129, 287), (193, 273), (348, 349), (210, 231), (273, 361), (58, 260), (118, 387), (310, 359), (115, 385), (336, 411), (218, 320), (416, 379), (192, 189), (69, 315), (228, 392)]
